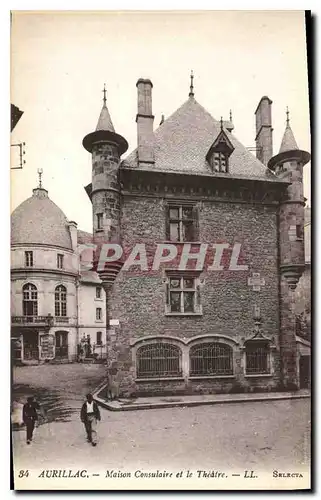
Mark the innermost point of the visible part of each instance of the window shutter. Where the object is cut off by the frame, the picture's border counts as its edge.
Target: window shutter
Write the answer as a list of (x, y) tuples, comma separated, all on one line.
[(167, 228), (195, 215)]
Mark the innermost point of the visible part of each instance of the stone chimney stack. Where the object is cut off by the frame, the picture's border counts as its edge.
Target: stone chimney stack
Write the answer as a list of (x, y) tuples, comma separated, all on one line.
[(73, 234), (263, 139), (145, 120)]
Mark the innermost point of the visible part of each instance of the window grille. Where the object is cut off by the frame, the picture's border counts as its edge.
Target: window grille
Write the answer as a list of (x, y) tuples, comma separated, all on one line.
[(211, 359), (257, 357), (158, 360), (29, 259), (182, 223), (30, 300), (61, 301), (182, 295), (98, 313)]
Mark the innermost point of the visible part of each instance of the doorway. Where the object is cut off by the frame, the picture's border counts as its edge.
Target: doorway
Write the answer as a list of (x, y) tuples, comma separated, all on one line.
[(61, 345), (304, 372), (30, 345)]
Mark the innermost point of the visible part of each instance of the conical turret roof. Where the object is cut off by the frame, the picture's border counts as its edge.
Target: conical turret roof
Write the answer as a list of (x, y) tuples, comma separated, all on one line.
[(288, 149), (288, 141), (104, 121), (105, 132)]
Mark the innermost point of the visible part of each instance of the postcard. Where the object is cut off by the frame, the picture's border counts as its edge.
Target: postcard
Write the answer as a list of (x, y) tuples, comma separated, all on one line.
[(160, 250)]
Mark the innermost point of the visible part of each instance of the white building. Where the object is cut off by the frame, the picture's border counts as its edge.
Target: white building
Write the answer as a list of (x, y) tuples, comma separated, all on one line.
[(54, 305)]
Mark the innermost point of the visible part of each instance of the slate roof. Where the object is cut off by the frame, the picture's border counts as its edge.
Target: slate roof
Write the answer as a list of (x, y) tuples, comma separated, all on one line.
[(104, 121), (183, 140), (84, 237), (38, 220), (288, 141), (86, 275)]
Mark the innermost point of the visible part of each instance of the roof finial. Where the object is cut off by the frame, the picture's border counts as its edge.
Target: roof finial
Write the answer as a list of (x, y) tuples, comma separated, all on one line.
[(231, 115), (104, 91), (40, 174), (287, 117), (191, 88), (221, 123)]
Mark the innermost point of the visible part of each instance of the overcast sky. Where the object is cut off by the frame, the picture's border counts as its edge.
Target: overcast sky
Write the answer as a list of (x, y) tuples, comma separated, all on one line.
[(60, 61)]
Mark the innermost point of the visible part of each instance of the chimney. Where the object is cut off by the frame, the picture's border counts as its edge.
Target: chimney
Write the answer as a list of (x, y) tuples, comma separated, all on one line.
[(73, 234), (144, 120), (263, 139)]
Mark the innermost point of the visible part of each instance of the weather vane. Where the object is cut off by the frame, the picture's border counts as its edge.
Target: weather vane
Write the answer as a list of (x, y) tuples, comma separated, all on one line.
[(104, 91), (287, 117), (40, 175), (191, 88)]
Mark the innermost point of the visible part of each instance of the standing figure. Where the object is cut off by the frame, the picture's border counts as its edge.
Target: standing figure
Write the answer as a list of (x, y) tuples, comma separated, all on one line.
[(30, 416), (89, 415)]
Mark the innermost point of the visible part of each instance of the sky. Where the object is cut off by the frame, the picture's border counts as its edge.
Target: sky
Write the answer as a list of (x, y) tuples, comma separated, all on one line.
[(60, 61)]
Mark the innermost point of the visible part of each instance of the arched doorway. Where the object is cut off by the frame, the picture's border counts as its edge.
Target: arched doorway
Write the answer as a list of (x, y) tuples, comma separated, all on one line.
[(61, 344)]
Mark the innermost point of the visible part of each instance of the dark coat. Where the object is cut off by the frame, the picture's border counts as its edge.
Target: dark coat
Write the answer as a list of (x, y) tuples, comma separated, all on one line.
[(29, 411), (83, 412)]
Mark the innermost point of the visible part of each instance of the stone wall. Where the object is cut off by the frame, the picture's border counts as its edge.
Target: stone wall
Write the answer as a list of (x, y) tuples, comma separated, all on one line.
[(138, 298)]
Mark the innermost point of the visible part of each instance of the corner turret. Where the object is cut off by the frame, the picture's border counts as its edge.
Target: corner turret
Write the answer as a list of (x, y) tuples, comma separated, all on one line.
[(288, 165)]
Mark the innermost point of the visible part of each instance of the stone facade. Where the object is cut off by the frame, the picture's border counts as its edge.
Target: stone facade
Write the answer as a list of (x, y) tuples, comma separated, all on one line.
[(237, 331), (41, 333)]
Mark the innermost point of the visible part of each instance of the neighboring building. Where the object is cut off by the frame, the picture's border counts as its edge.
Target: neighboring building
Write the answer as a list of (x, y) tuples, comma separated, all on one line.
[(230, 325), (53, 305), (16, 114), (303, 306)]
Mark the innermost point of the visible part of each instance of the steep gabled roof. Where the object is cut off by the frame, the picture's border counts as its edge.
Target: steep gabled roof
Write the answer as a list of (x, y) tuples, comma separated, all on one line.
[(183, 140)]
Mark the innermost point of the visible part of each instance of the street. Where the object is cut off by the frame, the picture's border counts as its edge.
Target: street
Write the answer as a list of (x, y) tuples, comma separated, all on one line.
[(238, 436)]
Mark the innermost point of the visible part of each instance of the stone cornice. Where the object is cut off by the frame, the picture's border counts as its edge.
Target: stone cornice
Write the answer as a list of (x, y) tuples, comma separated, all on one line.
[(207, 188), (41, 272), (40, 245)]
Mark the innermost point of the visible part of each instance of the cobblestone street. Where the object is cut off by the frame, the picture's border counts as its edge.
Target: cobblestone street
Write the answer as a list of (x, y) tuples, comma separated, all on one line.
[(273, 435)]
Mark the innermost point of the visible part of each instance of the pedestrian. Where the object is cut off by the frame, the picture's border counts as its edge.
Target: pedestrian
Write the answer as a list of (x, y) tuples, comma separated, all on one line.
[(30, 416), (89, 415)]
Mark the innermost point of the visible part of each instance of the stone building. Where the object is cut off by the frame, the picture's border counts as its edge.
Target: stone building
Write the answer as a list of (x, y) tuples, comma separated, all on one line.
[(303, 307), (57, 309), (217, 314)]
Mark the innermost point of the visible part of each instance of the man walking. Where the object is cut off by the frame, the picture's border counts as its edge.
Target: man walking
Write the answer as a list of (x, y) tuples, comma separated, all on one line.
[(89, 415), (30, 416)]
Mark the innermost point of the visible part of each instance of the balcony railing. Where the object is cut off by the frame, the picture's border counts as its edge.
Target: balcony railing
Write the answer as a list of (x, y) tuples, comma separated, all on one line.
[(39, 320), (62, 319), (32, 320)]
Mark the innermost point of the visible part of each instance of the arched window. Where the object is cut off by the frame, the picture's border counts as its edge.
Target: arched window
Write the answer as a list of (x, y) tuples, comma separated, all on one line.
[(211, 358), (158, 360), (257, 355), (61, 301), (30, 300)]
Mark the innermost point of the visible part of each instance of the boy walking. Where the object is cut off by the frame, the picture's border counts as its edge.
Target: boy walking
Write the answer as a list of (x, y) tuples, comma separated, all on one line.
[(30, 416), (89, 415)]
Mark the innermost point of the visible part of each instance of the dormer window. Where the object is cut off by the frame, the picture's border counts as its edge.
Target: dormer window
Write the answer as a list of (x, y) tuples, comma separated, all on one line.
[(219, 153), (219, 162)]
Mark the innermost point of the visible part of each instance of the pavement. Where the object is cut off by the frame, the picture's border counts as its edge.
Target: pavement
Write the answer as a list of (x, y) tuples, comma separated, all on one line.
[(147, 403), (263, 435)]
